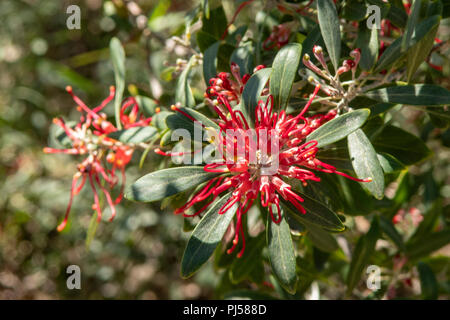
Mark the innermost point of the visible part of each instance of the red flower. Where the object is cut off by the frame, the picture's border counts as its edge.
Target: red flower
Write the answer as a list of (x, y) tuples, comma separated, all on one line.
[(89, 137), (278, 38), (229, 86), (285, 134)]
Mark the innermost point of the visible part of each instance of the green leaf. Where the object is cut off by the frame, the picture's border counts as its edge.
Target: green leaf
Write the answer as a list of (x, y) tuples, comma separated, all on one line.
[(216, 23), (252, 91), (365, 162), (243, 57), (394, 53), (404, 146), (316, 213), (389, 229), (431, 243), (147, 104), (206, 236), (362, 254), (183, 93), (210, 62), (330, 29), (250, 263), (163, 183), (354, 10), (419, 52), (368, 43), (339, 127), (134, 134), (321, 238), (413, 19), (118, 59), (204, 40), (178, 121), (389, 163), (281, 253), (284, 69), (428, 282), (389, 56), (417, 95), (205, 7)]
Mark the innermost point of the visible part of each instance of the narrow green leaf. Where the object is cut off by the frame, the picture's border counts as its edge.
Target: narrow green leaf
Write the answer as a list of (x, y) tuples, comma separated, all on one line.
[(330, 29), (413, 19), (250, 264), (389, 229), (206, 236), (163, 183), (321, 238), (417, 95), (216, 23), (339, 127), (368, 43), (316, 213), (362, 254), (210, 62), (284, 69), (118, 59), (183, 92), (281, 253), (134, 134), (393, 53), (365, 162), (180, 121), (428, 282), (252, 91), (433, 242), (389, 163), (404, 146), (419, 52), (147, 104)]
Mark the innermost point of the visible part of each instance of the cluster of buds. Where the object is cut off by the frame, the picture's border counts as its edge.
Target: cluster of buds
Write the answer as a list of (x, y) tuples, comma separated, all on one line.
[(331, 84), (103, 156), (279, 37), (228, 86), (257, 169)]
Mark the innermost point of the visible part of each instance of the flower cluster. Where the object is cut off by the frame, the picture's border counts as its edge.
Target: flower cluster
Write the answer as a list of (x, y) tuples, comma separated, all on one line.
[(330, 84), (247, 178), (228, 86), (103, 156), (278, 38)]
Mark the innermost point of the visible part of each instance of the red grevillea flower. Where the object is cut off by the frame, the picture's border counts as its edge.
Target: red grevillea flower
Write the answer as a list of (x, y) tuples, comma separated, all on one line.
[(278, 38), (246, 175), (89, 138), (229, 86)]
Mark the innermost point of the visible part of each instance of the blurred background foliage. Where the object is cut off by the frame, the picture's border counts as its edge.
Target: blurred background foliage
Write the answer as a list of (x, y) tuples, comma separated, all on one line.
[(138, 255)]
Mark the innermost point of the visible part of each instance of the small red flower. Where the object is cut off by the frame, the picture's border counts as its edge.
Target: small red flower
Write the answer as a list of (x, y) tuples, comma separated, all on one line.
[(278, 38), (229, 86), (89, 138)]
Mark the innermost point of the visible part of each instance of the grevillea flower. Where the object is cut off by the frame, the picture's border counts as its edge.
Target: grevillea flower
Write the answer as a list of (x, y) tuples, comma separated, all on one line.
[(278, 38), (89, 138), (228, 86), (245, 175)]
